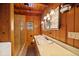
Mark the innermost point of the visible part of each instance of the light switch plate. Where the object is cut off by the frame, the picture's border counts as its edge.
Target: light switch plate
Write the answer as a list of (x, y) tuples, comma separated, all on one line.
[(71, 35)]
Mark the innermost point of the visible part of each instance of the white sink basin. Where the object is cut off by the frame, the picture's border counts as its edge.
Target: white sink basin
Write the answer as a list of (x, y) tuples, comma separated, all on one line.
[(5, 48), (50, 48)]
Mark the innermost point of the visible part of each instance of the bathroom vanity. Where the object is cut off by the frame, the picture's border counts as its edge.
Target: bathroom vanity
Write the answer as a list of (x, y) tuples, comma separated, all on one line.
[(50, 48)]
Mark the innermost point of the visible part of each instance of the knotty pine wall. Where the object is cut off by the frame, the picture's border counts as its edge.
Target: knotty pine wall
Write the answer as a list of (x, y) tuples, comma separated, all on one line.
[(19, 34), (19, 37), (69, 22), (35, 19), (23, 38)]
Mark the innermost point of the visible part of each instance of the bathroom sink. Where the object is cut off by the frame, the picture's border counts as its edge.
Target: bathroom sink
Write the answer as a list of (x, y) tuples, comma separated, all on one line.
[(50, 42)]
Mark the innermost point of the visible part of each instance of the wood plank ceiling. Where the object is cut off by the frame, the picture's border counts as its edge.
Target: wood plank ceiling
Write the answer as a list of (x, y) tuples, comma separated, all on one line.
[(25, 9)]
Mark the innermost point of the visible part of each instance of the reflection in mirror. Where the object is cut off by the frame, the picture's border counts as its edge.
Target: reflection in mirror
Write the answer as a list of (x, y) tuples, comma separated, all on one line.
[(51, 20)]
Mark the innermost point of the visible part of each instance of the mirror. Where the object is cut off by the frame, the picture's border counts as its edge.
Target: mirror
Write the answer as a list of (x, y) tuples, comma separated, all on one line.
[(51, 20)]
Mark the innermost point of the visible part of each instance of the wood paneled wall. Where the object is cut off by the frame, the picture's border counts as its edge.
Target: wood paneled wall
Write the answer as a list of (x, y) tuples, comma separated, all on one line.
[(76, 23), (36, 26), (69, 22), (19, 33), (4, 22), (11, 30)]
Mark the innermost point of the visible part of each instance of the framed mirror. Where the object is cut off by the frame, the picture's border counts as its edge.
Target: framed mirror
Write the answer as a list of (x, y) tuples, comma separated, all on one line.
[(54, 19), (51, 20)]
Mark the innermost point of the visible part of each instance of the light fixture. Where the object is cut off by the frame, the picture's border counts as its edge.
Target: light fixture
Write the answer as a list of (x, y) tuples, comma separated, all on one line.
[(65, 8), (48, 15), (51, 12), (42, 22), (45, 17), (48, 18)]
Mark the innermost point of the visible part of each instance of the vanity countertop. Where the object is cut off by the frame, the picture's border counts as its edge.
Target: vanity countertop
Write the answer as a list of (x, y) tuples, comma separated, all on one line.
[(51, 49)]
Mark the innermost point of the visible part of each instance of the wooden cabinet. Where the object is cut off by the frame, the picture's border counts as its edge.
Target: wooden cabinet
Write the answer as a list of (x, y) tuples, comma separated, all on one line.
[(36, 50)]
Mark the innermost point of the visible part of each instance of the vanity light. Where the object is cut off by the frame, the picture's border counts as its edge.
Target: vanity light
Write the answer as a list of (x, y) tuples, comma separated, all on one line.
[(45, 17), (42, 22), (51, 12), (69, 7), (48, 18), (65, 8), (48, 15)]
